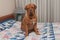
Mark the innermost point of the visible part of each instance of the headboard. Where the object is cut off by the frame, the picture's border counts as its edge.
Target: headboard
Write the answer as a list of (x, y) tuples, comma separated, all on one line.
[(10, 16)]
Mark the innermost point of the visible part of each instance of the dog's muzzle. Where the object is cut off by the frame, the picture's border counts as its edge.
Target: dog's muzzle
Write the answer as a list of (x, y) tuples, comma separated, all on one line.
[(31, 13)]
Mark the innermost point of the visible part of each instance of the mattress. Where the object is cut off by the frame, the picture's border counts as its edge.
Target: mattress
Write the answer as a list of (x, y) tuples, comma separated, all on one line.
[(10, 30)]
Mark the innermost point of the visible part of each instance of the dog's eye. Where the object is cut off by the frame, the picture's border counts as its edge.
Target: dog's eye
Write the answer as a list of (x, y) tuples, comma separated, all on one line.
[(27, 8), (32, 7)]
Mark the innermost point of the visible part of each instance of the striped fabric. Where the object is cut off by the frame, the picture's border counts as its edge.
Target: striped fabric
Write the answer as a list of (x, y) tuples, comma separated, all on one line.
[(48, 32), (7, 24)]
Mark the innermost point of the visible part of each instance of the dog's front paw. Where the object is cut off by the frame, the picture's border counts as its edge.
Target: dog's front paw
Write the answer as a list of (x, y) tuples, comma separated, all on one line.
[(26, 34), (37, 32)]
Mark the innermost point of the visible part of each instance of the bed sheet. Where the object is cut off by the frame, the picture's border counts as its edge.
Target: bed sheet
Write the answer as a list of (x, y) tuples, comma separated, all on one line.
[(12, 33), (47, 31), (56, 28), (6, 24)]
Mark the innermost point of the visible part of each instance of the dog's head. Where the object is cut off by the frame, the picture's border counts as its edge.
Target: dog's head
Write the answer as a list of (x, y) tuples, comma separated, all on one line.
[(30, 9)]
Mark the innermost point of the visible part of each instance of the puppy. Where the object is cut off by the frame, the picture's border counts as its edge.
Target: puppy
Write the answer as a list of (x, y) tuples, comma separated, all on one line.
[(29, 22)]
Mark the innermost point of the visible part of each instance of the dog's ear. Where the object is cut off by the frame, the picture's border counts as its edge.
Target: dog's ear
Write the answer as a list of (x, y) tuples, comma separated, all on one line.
[(35, 6), (26, 8)]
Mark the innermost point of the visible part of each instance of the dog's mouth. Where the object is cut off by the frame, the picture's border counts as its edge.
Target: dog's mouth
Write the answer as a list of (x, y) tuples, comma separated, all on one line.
[(31, 14)]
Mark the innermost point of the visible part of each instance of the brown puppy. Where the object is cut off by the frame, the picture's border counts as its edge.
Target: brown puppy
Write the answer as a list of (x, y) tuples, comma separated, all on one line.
[(29, 22)]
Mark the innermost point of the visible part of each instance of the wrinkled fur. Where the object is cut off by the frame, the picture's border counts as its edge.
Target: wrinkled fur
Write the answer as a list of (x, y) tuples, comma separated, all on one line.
[(29, 22)]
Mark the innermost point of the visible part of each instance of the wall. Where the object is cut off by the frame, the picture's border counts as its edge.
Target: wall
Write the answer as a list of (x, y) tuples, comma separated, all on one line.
[(41, 10), (6, 7), (47, 10)]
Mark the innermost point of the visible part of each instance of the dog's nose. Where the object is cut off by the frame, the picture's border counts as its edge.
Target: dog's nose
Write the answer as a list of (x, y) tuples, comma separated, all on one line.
[(30, 10), (31, 14)]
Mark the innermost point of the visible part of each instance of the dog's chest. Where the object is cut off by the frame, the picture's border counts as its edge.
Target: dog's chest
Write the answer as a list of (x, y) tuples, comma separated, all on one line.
[(31, 24)]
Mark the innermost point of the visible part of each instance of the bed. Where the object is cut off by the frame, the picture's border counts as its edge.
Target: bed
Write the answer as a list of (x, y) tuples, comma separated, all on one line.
[(10, 30)]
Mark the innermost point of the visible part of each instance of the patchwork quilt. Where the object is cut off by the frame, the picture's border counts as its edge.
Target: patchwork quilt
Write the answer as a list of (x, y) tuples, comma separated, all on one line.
[(10, 30)]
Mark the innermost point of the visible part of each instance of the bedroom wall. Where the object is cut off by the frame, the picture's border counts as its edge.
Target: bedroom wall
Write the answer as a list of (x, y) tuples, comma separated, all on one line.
[(47, 10), (6, 7)]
